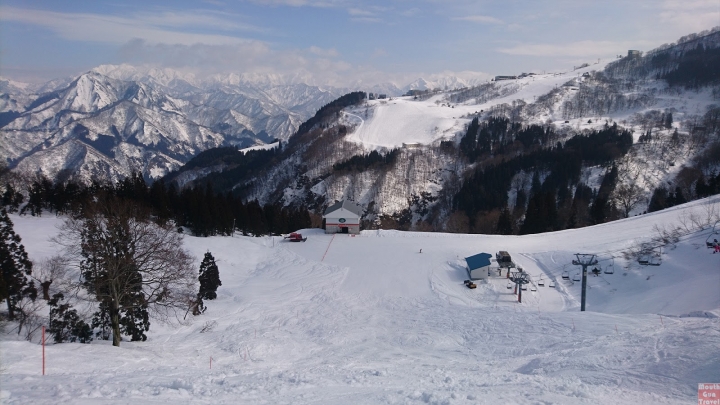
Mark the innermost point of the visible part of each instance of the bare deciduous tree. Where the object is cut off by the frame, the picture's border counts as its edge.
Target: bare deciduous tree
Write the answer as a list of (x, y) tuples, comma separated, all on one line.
[(49, 270), (127, 262), (627, 197)]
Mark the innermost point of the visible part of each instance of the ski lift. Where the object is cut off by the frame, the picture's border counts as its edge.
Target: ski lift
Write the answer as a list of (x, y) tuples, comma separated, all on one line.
[(651, 257), (610, 269), (576, 277), (541, 283), (524, 287), (710, 241), (509, 285), (533, 288), (552, 284), (566, 275)]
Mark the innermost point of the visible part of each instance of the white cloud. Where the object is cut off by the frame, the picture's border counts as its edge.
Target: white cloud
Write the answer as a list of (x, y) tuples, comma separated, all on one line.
[(373, 20), (152, 28), (483, 19), (576, 49), (379, 53), (687, 16), (326, 53), (316, 65), (301, 3), (360, 12)]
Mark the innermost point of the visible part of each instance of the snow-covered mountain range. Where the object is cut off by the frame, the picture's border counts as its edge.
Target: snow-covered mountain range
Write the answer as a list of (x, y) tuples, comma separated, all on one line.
[(113, 120), (630, 92), (116, 119)]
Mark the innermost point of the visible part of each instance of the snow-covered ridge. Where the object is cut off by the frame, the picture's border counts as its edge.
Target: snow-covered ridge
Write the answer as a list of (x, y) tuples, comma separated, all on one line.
[(165, 117)]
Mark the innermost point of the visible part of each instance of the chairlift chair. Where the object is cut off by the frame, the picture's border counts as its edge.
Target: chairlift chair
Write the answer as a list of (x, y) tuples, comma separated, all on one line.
[(652, 258), (541, 283), (509, 285), (610, 269), (524, 287), (551, 284), (533, 288), (576, 277), (710, 241), (566, 275)]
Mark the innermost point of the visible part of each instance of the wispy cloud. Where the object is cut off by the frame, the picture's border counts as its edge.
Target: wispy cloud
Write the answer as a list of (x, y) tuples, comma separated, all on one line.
[(482, 19), (325, 53), (165, 27), (411, 12), (315, 65), (687, 15), (302, 3), (372, 20), (360, 12), (575, 49)]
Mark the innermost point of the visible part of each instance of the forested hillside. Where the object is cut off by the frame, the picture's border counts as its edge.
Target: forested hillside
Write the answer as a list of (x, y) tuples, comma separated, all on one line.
[(637, 134)]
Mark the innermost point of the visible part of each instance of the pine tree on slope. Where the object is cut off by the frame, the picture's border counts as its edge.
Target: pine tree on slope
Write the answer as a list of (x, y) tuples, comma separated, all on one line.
[(15, 267), (209, 278), (65, 323), (209, 282)]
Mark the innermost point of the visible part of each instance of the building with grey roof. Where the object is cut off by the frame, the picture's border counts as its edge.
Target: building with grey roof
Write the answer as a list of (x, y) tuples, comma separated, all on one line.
[(343, 217)]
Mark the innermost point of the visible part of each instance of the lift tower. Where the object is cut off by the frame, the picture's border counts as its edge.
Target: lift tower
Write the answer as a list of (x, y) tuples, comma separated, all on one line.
[(585, 260)]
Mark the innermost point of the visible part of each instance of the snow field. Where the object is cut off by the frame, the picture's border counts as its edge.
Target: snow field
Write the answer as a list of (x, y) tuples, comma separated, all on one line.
[(392, 122), (371, 320)]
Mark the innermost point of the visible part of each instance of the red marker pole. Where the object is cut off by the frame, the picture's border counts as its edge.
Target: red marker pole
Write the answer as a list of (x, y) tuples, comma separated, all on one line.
[(43, 350)]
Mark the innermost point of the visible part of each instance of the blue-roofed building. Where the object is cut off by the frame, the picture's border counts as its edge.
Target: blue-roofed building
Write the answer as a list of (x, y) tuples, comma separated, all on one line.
[(478, 266)]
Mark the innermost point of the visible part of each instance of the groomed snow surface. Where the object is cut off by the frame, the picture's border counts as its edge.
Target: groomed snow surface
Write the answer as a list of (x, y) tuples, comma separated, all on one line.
[(391, 122), (371, 320)]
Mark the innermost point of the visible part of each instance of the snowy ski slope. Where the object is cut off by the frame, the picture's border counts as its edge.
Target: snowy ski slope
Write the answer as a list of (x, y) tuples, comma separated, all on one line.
[(371, 320), (392, 122)]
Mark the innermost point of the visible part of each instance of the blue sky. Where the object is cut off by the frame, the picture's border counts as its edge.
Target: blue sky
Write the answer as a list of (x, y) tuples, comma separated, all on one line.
[(336, 41)]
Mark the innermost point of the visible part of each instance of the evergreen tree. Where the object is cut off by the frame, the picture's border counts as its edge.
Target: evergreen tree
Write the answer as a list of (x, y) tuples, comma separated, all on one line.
[(11, 199), (468, 143), (38, 197), (65, 323), (15, 267), (701, 187), (679, 196), (101, 321), (128, 263), (209, 278), (668, 120), (504, 225), (659, 199)]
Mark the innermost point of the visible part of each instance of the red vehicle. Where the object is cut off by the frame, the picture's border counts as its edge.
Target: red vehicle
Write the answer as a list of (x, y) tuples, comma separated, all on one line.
[(296, 237)]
